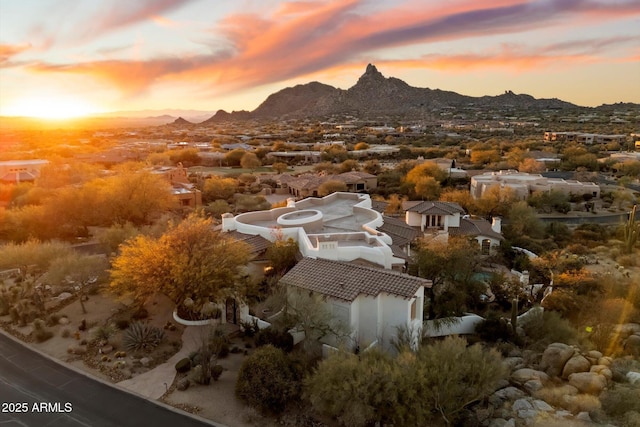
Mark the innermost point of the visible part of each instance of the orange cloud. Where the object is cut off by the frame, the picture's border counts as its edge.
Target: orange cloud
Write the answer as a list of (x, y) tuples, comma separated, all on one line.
[(300, 39), (7, 51)]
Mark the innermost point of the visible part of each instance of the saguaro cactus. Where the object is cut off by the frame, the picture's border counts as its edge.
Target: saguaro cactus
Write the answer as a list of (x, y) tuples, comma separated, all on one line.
[(631, 231)]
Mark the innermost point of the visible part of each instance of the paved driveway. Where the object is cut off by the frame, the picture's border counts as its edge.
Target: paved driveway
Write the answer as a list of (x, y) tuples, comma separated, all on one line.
[(64, 397)]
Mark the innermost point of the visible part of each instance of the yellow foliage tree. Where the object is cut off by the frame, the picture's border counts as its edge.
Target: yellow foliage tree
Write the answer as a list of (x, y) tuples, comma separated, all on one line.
[(190, 262)]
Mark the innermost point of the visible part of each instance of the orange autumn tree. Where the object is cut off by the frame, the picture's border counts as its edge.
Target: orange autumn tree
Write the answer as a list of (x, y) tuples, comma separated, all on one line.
[(193, 264)]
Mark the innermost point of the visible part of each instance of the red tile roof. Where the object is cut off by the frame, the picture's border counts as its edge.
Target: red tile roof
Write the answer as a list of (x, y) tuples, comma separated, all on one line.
[(346, 281)]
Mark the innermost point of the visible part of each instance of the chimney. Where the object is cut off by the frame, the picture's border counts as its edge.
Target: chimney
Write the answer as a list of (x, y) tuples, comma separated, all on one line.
[(496, 224), (228, 222)]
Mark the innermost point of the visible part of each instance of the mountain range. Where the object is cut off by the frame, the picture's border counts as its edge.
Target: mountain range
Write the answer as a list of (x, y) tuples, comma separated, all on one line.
[(375, 95)]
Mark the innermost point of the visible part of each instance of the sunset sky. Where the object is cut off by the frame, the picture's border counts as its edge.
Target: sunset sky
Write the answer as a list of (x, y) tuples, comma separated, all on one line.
[(66, 57)]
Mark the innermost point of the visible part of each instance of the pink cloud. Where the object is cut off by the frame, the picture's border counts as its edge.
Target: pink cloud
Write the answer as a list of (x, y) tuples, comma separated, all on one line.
[(300, 39)]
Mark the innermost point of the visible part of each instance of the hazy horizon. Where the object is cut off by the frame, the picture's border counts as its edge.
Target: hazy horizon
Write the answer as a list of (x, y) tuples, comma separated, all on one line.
[(63, 58)]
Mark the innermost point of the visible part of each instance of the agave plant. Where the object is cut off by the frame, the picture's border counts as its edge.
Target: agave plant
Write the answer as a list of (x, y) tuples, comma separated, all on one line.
[(142, 336)]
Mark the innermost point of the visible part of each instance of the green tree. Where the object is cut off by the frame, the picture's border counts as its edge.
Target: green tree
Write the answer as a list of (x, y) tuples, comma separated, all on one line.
[(233, 157), (280, 167), (250, 161), (218, 188), (190, 261), (133, 195), (282, 255), (78, 270), (267, 380), (450, 267), (523, 221)]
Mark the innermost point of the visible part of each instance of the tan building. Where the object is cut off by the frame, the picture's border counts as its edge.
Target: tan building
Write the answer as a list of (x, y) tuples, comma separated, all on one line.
[(525, 184), (16, 171), (183, 191)]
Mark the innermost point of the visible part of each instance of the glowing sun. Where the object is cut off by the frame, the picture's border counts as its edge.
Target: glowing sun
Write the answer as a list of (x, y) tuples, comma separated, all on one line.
[(53, 107)]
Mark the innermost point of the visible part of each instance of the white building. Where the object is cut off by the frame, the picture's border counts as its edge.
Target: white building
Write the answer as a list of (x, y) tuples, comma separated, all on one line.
[(340, 226), (444, 219), (524, 184), (372, 302)]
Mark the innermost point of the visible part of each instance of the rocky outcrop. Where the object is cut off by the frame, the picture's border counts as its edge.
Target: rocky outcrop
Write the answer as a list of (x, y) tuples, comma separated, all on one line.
[(375, 94)]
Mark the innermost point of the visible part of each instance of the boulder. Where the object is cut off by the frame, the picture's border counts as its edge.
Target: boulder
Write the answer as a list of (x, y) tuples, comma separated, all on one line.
[(543, 406), (554, 358), (183, 384), (513, 363), (633, 377), (602, 370), (533, 385), (505, 394), (593, 354), (605, 360), (523, 375), (145, 361), (64, 295), (574, 365), (632, 345), (588, 382), (584, 416), (106, 349), (63, 321)]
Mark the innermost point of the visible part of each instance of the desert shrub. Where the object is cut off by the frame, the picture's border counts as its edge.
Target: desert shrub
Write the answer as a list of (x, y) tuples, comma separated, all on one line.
[(140, 313), (277, 338), (65, 333), (183, 365), (216, 371), (104, 332), (40, 333), (249, 329), (548, 327), (441, 379), (628, 260), (219, 345), (620, 400), (122, 324), (142, 336), (53, 319), (494, 329), (578, 249), (453, 375), (267, 380)]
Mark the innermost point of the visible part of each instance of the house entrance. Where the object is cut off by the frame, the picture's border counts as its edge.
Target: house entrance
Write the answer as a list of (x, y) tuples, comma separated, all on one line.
[(232, 311)]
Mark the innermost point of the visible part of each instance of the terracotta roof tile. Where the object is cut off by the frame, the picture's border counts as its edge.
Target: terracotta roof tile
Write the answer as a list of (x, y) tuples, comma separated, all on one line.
[(346, 281), (398, 230), (437, 208)]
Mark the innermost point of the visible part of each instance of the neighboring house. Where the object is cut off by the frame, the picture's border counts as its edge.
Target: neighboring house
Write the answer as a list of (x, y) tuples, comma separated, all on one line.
[(584, 138), (307, 185), (524, 184), (444, 219), (183, 191), (374, 303), (340, 226), (17, 171)]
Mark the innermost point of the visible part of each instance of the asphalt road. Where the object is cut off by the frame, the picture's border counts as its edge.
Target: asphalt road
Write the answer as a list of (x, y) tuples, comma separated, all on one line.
[(38, 392)]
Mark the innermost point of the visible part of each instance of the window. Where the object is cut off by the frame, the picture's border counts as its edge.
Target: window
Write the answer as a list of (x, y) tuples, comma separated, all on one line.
[(486, 246)]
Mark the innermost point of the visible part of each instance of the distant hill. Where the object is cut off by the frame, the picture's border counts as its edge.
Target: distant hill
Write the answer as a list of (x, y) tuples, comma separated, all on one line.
[(374, 95)]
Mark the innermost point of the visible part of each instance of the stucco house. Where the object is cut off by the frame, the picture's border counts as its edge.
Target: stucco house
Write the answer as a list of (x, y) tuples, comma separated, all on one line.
[(443, 219), (373, 302), (340, 227)]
